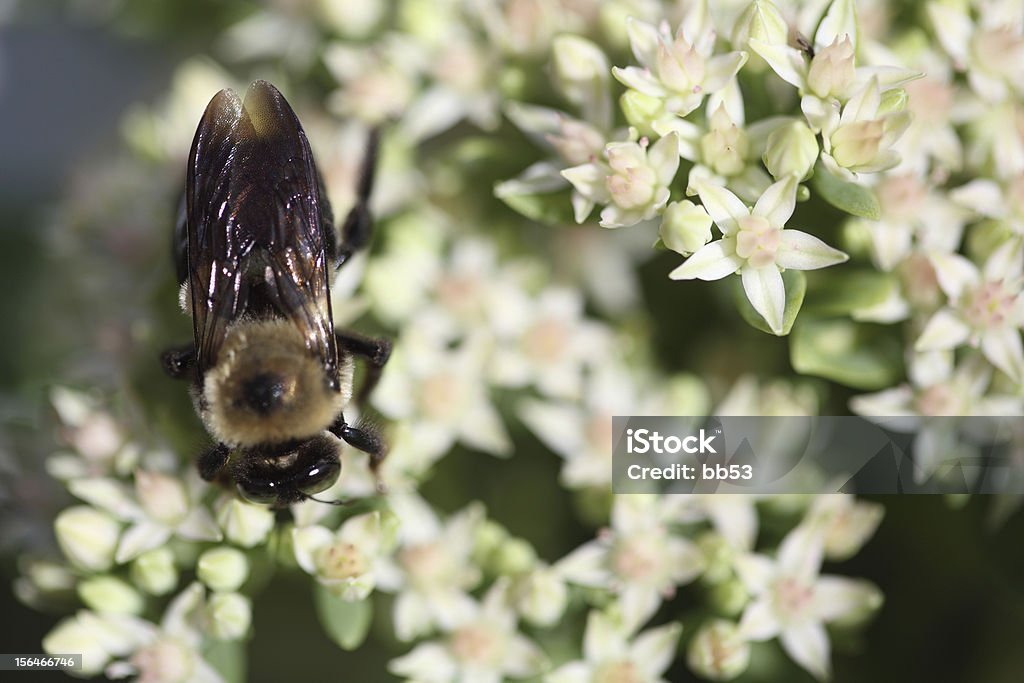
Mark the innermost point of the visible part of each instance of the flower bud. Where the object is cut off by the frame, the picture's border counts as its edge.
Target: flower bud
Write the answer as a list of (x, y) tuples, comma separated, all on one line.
[(154, 571), (725, 146), (88, 537), (718, 652), (729, 597), (541, 596), (162, 496), (581, 71), (229, 614), (352, 19), (244, 523), (490, 536), (685, 227), (73, 635), (718, 557), (791, 150), (761, 20), (642, 111), (858, 143), (832, 71), (223, 569), (515, 556), (109, 595), (893, 101)]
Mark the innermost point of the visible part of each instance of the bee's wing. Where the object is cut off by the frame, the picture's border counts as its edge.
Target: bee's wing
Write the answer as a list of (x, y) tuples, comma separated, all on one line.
[(255, 219)]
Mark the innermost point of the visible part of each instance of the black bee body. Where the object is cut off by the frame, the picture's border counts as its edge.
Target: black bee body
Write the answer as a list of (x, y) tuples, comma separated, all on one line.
[(255, 250)]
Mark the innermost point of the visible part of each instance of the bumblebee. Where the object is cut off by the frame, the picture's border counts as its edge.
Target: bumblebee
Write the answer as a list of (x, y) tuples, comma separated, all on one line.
[(254, 249)]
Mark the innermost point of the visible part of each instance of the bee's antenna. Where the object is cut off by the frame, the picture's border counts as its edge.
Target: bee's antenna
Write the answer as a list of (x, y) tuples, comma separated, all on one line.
[(328, 502)]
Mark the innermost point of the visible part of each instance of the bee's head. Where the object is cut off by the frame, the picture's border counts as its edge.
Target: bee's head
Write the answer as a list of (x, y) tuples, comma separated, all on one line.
[(267, 387), (288, 474)]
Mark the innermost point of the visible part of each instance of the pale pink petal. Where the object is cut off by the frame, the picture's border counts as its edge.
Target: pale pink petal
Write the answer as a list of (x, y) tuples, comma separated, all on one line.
[(639, 79), (720, 69), (1003, 349), (713, 261), (777, 202), (945, 330), (801, 251), (723, 206)]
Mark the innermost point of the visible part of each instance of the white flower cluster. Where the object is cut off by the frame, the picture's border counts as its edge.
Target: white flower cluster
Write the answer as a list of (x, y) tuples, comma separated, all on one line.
[(501, 323)]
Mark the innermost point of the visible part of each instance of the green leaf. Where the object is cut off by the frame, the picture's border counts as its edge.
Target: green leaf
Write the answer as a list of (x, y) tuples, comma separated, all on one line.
[(846, 196), (227, 657), (552, 208), (345, 622), (841, 293), (796, 286), (858, 355)]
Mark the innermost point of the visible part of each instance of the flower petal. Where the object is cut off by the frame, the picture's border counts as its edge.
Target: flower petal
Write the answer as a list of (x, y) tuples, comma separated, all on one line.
[(589, 181), (945, 330), (759, 621), (777, 202), (655, 649), (640, 80), (713, 261), (720, 69), (801, 251), (723, 206), (836, 597), (663, 157), (1003, 349), (766, 293), (808, 645), (787, 62)]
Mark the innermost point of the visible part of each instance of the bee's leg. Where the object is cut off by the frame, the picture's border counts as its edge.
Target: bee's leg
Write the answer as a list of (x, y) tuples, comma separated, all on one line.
[(212, 461), (358, 226), (179, 362), (362, 438), (374, 351)]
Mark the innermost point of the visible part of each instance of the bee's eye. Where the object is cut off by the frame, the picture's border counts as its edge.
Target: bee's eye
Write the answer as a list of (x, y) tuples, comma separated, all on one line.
[(261, 492), (320, 465)]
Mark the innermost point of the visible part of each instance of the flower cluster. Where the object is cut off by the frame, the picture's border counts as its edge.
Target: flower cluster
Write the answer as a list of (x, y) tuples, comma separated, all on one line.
[(519, 333)]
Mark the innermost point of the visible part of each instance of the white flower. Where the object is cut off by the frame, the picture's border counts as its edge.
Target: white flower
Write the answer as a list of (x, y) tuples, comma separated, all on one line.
[(985, 307), (862, 138), (582, 434), (756, 245), (632, 182), (433, 569), (540, 595), (345, 561), (639, 558), (990, 53), (678, 69), (170, 653), (160, 507), (551, 345), (441, 393), (482, 646), (719, 651), (612, 653), (938, 389), (793, 602), (581, 73), (846, 522), (97, 637)]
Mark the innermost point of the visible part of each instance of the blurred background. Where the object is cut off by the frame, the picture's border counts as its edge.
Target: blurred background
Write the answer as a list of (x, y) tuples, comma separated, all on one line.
[(70, 72)]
